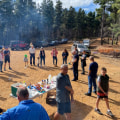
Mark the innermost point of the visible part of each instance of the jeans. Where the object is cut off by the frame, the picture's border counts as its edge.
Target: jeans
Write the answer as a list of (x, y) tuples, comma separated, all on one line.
[(1, 64), (83, 69), (32, 56), (65, 60), (54, 58), (75, 73), (42, 58), (91, 80)]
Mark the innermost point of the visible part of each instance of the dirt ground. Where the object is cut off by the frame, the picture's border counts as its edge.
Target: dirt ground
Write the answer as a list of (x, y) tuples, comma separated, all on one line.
[(83, 107)]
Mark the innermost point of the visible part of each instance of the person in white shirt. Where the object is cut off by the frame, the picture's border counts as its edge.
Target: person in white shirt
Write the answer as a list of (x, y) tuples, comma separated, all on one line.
[(32, 55), (1, 60)]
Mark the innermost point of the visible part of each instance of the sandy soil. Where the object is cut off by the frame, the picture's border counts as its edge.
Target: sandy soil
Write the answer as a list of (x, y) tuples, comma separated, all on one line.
[(83, 108)]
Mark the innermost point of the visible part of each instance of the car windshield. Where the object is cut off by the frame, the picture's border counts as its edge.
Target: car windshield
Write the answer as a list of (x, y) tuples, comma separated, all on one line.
[(81, 46), (86, 41)]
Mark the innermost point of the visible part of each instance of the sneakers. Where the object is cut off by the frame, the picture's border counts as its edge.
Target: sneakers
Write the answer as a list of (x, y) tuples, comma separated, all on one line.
[(10, 68), (88, 94), (98, 111), (110, 113), (95, 92)]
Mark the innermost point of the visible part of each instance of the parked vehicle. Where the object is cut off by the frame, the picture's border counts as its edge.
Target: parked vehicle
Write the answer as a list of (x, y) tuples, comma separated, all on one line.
[(81, 48), (45, 44), (37, 44), (18, 45), (86, 42), (52, 43), (65, 40)]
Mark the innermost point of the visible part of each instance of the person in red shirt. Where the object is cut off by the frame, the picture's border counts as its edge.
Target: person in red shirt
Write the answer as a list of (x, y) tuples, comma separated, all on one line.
[(54, 55)]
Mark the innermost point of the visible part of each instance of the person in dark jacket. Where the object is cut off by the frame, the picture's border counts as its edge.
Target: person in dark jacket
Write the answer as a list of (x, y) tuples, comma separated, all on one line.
[(102, 91), (83, 62), (75, 62), (65, 55), (42, 56)]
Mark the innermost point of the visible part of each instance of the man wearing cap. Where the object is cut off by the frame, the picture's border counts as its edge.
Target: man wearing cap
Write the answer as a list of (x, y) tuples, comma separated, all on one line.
[(7, 58), (26, 110), (32, 54)]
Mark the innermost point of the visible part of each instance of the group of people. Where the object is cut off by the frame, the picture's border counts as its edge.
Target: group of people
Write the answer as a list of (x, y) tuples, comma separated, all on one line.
[(4, 56), (42, 56), (64, 89), (29, 110)]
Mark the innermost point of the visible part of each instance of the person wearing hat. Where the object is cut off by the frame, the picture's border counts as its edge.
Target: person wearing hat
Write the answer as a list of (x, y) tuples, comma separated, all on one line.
[(32, 54), (7, 58), (26, 60), (1, 60), (42, 56)]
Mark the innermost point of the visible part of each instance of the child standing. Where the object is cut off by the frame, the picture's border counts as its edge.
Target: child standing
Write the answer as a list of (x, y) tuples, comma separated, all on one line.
[(102, 91), (1, 60), (26, 60), (38, 61)]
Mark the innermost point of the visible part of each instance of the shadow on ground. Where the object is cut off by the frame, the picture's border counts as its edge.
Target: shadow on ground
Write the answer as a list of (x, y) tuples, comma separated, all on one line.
[(77, 112)]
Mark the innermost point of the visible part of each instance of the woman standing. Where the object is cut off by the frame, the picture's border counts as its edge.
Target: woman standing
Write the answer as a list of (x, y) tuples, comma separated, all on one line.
[(42, 56), (54, 55), (65, 55)]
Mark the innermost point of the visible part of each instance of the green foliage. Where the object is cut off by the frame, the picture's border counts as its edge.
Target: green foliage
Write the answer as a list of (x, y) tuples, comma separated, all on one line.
[(26, 21)]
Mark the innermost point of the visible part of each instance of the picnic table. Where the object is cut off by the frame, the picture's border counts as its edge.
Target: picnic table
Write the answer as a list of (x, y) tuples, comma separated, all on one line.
[(33, 93)]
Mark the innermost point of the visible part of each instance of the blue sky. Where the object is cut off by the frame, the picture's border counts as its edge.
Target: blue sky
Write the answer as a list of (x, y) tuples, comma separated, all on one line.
[(87, 5)]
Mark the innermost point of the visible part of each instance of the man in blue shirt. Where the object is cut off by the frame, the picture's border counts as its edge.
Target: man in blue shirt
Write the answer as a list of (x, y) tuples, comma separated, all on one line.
[(92, 75), (63, 92), (7, 58), (26, 110)]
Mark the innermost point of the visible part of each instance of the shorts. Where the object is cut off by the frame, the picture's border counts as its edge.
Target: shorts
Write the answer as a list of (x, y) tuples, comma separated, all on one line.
[(64, 108), (7, 59), (101, 95), (25, 59)]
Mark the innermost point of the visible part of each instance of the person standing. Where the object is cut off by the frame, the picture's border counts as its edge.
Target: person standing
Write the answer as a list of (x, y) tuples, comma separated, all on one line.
[(26, 110), (75, 62), (32, 55), (83, 62), (102, 91), (63, 92), (76, 49), (54, 55), (26, 60), (1, 60), (92, 75), (65, 55), (42, 56), (7, 58)]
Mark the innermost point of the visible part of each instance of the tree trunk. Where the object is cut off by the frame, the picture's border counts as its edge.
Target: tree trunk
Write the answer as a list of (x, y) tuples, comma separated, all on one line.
[(102, 25), (112, 39)]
